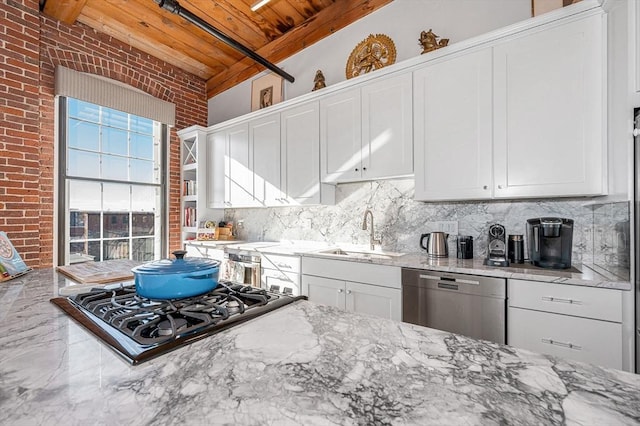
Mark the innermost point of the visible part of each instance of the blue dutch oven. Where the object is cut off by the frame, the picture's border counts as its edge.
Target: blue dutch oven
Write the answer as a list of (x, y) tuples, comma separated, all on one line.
[(176, 279)]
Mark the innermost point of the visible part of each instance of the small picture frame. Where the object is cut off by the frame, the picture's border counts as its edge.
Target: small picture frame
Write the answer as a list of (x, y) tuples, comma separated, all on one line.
[(266, 91), (538, 7)]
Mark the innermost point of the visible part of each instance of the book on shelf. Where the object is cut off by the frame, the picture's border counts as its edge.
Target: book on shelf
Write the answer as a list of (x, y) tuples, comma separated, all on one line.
[(11, 264), (189, 187), (190, 217)]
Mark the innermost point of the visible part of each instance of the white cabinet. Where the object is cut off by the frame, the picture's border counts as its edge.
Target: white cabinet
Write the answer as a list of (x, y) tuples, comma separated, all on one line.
[(281, 273), (202, 249), (237, 166), (634, 34), (453, 128), (341, 136), (268, 161), (264, 148), (193, 191), (366, 131), (581, 323), (300, 157), (354, 286), (549, 112), (523, 118)]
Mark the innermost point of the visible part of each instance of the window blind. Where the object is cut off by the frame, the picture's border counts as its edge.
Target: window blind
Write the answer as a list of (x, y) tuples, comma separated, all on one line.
[(112, 94)]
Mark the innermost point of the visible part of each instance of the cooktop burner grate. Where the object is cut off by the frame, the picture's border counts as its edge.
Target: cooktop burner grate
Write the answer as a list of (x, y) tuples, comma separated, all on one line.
[(139, 328)]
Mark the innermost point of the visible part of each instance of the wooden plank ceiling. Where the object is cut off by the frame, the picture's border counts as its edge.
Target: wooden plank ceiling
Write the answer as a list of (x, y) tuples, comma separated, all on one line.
[(275, 31)]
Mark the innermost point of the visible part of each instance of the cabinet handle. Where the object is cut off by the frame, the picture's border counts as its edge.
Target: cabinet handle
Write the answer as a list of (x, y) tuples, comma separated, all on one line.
[(562, 344), (357, 169), (364, 169), (499, 186), (340, 290), (348, 291), (283, 265), (485, 187), (561, 300)]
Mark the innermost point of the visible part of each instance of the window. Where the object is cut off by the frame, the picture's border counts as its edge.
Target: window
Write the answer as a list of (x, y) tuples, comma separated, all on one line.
[(112, 187)]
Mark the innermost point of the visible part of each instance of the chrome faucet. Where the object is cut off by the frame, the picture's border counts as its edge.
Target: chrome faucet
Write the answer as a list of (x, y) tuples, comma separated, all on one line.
[(372, 239)]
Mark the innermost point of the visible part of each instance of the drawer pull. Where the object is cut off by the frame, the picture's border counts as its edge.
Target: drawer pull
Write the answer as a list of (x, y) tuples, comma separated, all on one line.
[(561, 300), (283, 265), (562, 344)]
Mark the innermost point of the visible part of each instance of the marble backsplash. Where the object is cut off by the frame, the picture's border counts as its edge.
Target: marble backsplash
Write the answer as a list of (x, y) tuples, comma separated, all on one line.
[(601, 231)]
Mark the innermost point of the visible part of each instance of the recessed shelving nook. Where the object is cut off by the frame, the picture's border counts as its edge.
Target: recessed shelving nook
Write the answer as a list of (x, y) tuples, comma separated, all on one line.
[(193, 180)]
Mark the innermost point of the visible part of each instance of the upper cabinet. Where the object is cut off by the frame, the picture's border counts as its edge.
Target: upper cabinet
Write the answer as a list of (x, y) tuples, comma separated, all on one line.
[(636, 42), (300, 157), (549, 112), (524, 118), (366, 132), (273, 160), (264, 137), (453, 115), (516, 113)]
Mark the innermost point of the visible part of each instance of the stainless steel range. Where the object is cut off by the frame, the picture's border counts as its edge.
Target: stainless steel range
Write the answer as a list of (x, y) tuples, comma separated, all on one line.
[(139, 329)]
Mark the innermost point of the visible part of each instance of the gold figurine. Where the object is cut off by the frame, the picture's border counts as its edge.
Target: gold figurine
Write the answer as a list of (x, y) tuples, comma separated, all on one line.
[(372, 53), (429, 41), (318, 81)]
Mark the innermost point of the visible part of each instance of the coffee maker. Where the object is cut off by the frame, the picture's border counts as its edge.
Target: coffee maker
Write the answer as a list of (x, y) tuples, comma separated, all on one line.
[(550, 242), (497, 253)]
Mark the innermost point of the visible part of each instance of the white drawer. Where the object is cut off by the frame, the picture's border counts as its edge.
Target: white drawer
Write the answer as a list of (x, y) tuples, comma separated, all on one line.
[(581, 339), (382, 275), (291, 277), (588, 302), (280, 262)]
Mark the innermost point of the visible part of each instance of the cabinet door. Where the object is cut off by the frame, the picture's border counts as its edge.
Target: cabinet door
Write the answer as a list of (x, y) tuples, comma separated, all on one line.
[(238, 173), (382, 302), (264, 147), (453, 129), (325, 291), (340, 137), (635, 30), (387, 135), (549, 112), (582, 339), (301, 154), (216, 169)]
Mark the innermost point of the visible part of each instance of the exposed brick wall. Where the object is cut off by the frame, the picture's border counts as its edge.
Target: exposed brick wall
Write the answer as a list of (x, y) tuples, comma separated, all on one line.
[(19, 126), (27, 127)]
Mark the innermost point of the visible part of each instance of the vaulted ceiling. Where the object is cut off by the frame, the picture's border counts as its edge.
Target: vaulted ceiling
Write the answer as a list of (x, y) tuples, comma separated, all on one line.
[(275, 31)]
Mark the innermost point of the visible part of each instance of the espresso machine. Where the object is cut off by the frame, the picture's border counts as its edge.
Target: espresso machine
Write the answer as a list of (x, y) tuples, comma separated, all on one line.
[(550, 242), (497, 250)]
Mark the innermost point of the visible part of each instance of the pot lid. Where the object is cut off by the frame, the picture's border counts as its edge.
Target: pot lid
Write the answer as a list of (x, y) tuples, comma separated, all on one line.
[(180, 265)]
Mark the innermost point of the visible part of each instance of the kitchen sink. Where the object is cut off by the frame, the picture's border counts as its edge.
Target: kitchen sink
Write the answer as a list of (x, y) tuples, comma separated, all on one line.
[(359, 254)]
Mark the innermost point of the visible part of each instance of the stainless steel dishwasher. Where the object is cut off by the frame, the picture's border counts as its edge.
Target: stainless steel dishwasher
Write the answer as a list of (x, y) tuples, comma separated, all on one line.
[(471, 305)]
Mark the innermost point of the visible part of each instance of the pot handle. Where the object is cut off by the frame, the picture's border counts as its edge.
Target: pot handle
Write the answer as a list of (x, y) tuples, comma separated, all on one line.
[(199, 275), (179, 254)]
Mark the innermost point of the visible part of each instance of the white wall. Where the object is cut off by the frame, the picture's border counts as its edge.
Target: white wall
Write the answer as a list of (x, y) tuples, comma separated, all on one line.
[(402, 20)]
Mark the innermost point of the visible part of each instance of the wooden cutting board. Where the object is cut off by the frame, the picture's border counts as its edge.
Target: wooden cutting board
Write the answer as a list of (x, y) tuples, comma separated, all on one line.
[(100, 272)]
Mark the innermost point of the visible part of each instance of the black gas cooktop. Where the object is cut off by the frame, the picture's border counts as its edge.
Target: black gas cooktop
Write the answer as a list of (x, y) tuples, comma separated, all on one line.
[(139, 329)]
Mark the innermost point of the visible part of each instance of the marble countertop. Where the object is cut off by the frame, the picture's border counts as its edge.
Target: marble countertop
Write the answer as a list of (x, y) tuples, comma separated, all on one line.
[(587, 274), (301, 364)]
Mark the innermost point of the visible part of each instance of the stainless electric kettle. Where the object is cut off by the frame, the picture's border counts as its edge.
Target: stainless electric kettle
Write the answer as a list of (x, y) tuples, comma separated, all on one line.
[(436, 245)]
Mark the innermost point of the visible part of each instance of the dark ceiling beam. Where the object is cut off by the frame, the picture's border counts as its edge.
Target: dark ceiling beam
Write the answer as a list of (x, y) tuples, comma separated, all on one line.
[(174, 7)]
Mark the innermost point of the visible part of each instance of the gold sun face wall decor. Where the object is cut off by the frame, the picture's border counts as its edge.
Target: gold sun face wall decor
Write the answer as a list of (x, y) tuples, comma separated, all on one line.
[(372, 53)]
